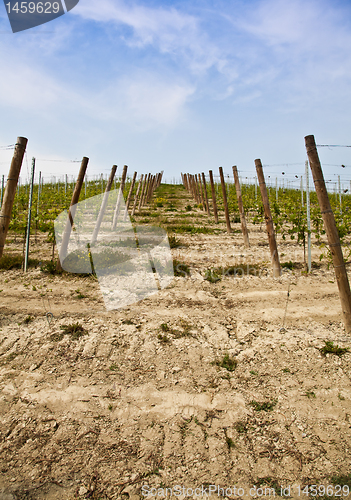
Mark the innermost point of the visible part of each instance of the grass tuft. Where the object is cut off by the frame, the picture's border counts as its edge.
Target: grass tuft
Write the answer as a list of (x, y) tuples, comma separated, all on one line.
[(75, 330), (330, 348), (266, 406), (227, 362)]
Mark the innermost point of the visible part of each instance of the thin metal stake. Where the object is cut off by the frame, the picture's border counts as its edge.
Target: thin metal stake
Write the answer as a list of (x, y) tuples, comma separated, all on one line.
[(29, 215), (309, 264)]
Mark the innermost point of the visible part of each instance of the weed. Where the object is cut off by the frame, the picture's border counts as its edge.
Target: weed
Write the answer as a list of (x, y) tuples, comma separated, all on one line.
[(113, 367), (27, 320), (75, 330), (110, 407), (50, 268), (333, 349), (288, 265), (11, 261), (227, 362), (253, 372), (174, 242), (341, 397), (186, 228), (163, 338), (342, 480), (266, 406), (80, 295), (213, 275), (188, 208), (230, 443), (272, 483), (240, 427), (127, 322), (34, 288), (310, 394), (164, 327), (286, 370), (181, 269)]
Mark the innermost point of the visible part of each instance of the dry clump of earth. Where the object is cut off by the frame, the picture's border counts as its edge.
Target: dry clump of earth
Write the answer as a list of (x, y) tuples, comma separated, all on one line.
[(220, 383)]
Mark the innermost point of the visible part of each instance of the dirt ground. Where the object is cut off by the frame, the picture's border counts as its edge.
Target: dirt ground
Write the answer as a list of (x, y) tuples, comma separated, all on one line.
[(147, 397)]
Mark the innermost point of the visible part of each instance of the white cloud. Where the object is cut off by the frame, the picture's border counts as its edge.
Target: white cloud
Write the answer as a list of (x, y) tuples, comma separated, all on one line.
[(167, 29), (143, 101)]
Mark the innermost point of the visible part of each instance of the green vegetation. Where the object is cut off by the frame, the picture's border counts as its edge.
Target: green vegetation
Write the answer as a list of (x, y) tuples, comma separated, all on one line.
[(75, 330), (330, 348), (181, 269), (266, 406), (226, 362)]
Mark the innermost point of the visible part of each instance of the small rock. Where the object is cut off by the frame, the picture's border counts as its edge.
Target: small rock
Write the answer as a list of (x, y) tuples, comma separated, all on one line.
[(83, 491)]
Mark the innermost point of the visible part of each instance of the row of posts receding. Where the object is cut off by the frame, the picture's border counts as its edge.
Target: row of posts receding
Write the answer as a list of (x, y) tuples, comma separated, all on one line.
[(196, 185), (146, 186)]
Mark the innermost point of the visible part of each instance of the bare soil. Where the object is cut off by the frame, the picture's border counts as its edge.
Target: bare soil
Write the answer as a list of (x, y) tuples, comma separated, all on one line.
[(139, 399)]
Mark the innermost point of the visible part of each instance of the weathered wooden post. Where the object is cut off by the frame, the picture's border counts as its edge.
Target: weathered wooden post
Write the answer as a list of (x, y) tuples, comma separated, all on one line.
[(129, 196), (75, 198), (192, 183), (205, 190), (331, 230), (103, 205), (146, 190), (137, 195), (197, 191), (269, 222), (201, 193), (241, 207), (10, 190), (213, 191), (142, 192), (152, 187), (119, 196), (224, 193)]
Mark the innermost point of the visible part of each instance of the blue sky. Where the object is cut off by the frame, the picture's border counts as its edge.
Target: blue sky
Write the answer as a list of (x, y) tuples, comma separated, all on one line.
[(180, 86)]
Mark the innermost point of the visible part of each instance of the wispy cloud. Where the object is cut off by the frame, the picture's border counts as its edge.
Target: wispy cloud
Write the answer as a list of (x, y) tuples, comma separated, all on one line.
[(167, 29)]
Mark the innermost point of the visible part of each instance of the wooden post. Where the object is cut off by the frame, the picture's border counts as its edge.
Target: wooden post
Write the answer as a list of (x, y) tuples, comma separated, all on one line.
[(146, 190), (160, 179), (269, 221), (206, 197), (10, 190), (129, 197), (213, 191), (241, 207), (119, 196), (192, 184), (142, 192), (136, 195), (152, 187), (224, 193), (331, 230), (191, 191), (197, 192), (103, 205), (201, 193), (75, 198)]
